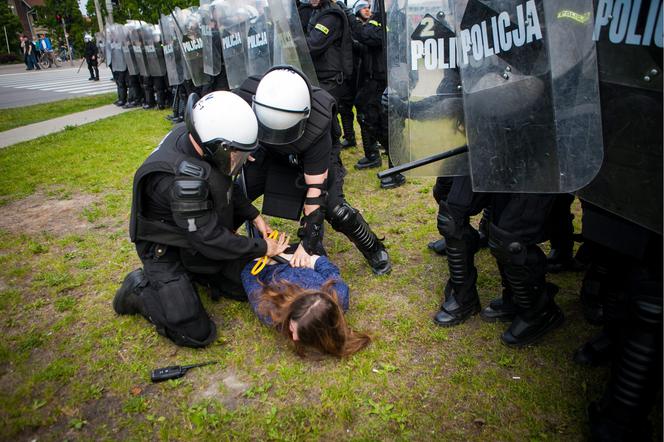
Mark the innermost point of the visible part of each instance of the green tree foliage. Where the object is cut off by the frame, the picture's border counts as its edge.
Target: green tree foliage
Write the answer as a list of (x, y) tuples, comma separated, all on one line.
[(74, 22), (12, 25), (146, 10)]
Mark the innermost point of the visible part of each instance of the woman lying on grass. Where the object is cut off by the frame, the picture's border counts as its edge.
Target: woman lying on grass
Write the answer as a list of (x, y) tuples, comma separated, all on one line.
[(305, 304)]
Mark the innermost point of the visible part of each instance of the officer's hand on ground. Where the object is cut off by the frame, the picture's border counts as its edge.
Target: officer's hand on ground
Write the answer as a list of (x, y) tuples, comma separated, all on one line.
[(262, 226), (300, 258), (277, 246)]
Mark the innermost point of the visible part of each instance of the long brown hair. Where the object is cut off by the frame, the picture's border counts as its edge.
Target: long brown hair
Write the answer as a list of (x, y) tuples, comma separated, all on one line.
[(320, 320)]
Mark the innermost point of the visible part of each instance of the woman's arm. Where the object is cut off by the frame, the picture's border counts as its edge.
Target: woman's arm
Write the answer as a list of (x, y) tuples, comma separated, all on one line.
[(253, 289)]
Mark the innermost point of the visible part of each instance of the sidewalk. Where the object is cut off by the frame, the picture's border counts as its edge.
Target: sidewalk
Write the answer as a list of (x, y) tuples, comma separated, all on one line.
[(36, 130), (19, 68)]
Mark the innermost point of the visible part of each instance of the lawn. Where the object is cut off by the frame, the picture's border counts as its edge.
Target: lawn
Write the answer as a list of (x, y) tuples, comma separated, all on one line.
[(20, 116), (71, 369)]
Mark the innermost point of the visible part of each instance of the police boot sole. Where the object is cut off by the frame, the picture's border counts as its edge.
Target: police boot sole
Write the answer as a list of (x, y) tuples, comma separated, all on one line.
[(372, 165), (458, 319), (130, 283), (554, 323)]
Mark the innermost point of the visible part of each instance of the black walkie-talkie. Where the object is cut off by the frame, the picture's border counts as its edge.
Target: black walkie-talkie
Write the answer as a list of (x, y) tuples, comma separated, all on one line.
[(174, 371)]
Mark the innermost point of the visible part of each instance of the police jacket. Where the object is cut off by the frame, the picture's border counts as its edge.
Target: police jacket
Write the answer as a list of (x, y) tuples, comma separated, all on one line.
[(314, 148), (90, 50), (370, 35), (330, 42), (180, 200)]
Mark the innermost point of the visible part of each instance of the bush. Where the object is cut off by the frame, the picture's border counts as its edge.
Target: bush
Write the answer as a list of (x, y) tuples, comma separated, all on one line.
[(9, 58)]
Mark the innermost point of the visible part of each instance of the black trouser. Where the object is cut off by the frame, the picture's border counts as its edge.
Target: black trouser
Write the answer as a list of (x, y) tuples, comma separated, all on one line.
[(134, 88), (93, 68), (171, 301), (148, 90), (559, 225), (121, 80), (160, 89), (342, 93)]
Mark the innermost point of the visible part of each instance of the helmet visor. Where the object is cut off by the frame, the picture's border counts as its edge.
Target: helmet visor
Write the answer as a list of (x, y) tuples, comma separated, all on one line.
[(288, 135), (226, 158)]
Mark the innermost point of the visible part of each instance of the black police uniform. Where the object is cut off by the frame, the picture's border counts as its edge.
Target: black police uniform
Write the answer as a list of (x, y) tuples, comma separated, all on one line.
[(91, 59), (331, 47), (372, 83), (184, 214), (314, 153)]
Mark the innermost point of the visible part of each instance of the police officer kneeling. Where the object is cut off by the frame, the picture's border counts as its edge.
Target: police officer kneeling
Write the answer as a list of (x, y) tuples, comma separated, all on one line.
[(185, 210)]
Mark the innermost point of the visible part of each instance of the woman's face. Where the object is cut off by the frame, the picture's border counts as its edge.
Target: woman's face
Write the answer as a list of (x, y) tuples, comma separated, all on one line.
[(292, 325)]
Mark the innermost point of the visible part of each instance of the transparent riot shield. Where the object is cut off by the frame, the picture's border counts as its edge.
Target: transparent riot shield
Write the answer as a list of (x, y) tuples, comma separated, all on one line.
[(232, 18), (258, 43), (115, 34), (531, 94), (211, 39), (629, 183), (134, 29), (189, 33), (288, 44), (128, 50), (175, 67), (425, 111), (154, 53), (100, 42)]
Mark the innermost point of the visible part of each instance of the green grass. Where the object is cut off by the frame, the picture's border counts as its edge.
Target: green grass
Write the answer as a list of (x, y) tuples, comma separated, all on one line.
[(20, 116), (72, 369)]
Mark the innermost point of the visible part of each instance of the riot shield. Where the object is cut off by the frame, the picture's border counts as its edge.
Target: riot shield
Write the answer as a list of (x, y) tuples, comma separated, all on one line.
[(233, 39), (425, 112), (257, 36), (175, 67), (100, 42), (210, 16), (531, 95), (629, 183), (154, 53), (134, 30), (288, 44), (115, 34), (128, 50), (189, 33)]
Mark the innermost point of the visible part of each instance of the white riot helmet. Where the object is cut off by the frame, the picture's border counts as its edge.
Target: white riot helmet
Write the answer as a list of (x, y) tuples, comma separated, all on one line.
[(87, 37), (282, 104), (225, 128)]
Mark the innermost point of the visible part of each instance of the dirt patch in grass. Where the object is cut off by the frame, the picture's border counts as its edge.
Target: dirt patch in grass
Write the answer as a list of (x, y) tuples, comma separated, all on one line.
[(39, 213)]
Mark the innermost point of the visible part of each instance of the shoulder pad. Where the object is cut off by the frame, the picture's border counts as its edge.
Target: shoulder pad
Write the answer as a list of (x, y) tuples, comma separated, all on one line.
[(190, 195), (187, 168)]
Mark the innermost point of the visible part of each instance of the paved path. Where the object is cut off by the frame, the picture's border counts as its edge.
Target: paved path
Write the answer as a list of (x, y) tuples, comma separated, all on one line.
[(36, 130), (19, 87)]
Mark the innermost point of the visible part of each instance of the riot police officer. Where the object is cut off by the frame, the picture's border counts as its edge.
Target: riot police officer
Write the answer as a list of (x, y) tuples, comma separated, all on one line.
[(299, 139), (185, 210), (331, 47)]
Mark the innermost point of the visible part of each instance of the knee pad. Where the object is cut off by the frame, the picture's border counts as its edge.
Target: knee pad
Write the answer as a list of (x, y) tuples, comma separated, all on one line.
[(174, 307), (447, 225), (506, 247), (342, 216)]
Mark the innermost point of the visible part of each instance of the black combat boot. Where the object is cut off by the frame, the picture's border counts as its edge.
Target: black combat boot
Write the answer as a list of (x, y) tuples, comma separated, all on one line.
[(371, 157), (596, 352), (126, 300), (500, 309), (461, 299), (438, 246), (349, 221), (392, 181), (347, 117)]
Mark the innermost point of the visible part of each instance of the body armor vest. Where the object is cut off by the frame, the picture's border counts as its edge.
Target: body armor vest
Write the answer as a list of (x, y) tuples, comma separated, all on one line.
[(337, 58), (167, 159)]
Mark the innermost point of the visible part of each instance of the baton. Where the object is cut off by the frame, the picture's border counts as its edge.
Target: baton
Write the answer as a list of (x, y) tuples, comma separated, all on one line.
[(422, 162), (81, 65)]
